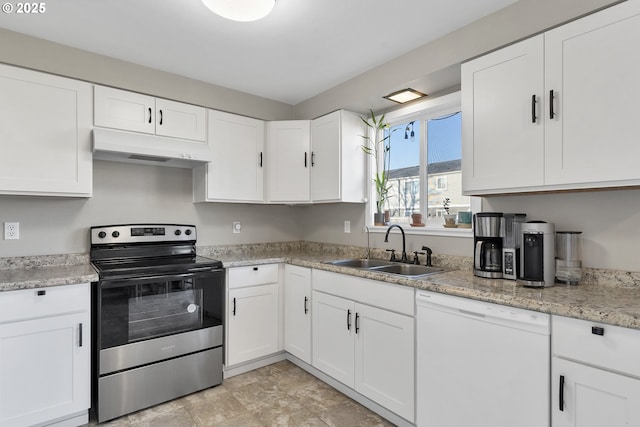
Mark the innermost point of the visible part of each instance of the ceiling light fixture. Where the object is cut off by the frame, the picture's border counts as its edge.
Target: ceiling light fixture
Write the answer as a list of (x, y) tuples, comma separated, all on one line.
[(240, 10), (405, 95)]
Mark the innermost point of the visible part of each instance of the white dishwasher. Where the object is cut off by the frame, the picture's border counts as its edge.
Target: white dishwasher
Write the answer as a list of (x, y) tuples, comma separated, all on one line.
[(481, 364)]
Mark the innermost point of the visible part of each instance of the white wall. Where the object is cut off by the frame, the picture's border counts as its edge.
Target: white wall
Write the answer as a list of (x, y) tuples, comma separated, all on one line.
[(126, 193)]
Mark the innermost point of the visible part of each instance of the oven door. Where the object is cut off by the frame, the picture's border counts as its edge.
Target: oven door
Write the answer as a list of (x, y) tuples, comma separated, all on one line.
[(132, 310)]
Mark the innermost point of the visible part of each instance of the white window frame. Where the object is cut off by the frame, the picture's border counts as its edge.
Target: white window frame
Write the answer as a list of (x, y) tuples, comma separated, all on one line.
[(423, 110)]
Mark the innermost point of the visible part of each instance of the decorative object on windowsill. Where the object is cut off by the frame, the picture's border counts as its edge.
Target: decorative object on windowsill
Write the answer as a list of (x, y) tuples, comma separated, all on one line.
[(379, 147), (416, 219), (449, 219), (464, 219)]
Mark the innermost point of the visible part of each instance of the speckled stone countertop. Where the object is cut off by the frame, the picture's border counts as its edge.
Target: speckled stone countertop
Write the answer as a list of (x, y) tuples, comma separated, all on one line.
[(605, 296), (38, 272)]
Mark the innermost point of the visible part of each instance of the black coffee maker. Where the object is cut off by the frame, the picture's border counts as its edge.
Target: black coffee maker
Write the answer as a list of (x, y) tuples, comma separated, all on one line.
[(487, 240)]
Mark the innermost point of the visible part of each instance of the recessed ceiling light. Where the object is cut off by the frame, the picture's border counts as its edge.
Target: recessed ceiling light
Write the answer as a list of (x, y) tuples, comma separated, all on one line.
[(405, 95), (240, 10)]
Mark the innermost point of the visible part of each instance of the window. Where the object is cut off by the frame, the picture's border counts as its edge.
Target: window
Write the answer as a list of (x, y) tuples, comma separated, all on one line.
[(425, 162)]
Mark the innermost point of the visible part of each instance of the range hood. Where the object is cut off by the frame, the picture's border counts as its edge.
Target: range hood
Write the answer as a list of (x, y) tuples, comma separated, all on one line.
[(131, 147)]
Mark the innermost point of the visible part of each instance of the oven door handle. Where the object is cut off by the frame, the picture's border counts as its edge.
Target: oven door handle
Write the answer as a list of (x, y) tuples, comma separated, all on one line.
[(121, 282)]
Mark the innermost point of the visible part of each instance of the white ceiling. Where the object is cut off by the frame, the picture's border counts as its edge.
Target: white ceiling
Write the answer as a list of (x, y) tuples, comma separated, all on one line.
[(301, 49)]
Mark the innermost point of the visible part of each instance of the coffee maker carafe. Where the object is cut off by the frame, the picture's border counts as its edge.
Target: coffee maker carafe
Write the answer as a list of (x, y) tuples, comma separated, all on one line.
[(487, 240)]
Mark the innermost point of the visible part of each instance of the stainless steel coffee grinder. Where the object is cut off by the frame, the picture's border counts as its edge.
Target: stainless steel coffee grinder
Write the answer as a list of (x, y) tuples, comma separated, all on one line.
[(487, 240), (511, 242)]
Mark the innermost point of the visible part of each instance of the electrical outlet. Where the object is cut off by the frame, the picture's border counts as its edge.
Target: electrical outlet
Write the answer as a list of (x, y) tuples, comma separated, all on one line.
[(11, 230), (237, 226), (347, 226)]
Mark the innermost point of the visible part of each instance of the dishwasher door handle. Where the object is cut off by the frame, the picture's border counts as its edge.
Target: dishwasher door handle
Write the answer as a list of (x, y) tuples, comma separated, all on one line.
[(471, 313)]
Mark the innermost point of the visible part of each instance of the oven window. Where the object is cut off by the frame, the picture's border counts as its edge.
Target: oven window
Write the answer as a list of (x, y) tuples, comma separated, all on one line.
[(141, 311)]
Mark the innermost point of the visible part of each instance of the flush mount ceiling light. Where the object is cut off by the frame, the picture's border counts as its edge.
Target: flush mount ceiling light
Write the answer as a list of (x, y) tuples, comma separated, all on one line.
[(240, 10), (405, 95)]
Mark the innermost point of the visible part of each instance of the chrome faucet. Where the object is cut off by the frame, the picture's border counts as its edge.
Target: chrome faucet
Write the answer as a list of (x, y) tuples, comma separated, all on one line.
[(368, 246), (404, 247)]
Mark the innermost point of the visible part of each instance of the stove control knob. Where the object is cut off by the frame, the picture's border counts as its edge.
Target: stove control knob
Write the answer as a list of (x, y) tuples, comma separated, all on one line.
[(115, 234), (102, 234), (187, 232), (178, 232)]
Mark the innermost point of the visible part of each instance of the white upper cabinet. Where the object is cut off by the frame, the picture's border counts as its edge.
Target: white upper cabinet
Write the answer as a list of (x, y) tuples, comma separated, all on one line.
[(592, 65), (236, 172), (45, 134), (338, 164), (288, 161), (557, 111), (502, 99), (119, 109)]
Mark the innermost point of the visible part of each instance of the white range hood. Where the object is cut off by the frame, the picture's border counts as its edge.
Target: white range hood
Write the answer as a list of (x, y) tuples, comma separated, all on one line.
[(131, 147)]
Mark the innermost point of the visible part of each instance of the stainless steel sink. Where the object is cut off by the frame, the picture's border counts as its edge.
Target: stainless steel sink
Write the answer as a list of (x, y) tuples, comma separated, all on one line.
[(387, 267), (408, 269), (360, 263)]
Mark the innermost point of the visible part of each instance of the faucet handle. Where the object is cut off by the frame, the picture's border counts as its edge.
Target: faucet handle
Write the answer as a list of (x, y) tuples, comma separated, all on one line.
[(429, 252), (416, 260), (393, 254)]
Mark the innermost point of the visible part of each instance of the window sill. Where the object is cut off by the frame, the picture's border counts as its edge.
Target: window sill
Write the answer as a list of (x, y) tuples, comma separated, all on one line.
[(424, 231)]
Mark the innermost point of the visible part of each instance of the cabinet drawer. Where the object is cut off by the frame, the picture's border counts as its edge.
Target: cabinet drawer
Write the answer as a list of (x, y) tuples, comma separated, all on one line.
[(607, 346), (253, 275), (42, 302)]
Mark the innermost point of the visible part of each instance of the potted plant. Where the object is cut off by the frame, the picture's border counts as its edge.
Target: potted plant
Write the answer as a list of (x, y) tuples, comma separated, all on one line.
[(449, 218), (378, 145)]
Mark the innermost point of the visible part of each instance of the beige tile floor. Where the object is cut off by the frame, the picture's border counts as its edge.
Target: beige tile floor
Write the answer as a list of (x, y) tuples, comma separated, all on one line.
[(281, 394)]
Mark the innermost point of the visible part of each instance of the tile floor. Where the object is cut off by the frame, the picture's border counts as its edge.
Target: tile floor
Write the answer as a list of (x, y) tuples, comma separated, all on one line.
[(281, 394)]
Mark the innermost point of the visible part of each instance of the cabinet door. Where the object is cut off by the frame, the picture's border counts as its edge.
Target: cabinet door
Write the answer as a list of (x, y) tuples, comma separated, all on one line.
[(593, 397), (333, 336), (45, 134), (252, 323), (236, 172), (289, 161), (385, 367), (297, 312), (593, 71), (502, 125), (179, 120), (120, 109), (325, 158), (44, 369)]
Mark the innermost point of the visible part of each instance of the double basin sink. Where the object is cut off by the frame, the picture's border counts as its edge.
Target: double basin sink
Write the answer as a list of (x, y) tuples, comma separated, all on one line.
[(413, 271)]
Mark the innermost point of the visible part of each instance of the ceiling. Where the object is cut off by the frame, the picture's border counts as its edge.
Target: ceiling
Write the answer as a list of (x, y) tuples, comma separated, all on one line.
[(301, 49)]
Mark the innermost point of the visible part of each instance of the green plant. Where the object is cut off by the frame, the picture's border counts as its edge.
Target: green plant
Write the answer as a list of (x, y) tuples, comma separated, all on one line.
[(445, 205), (379, 147)]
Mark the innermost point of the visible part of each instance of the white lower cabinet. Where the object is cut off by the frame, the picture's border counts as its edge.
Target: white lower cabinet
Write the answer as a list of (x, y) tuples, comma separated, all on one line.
[(45, 356), (297, 312), (363, 336), (594, 374), (252, 313)]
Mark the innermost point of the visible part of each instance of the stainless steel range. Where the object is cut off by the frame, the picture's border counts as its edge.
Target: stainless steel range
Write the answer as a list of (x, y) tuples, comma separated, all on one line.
[(159, 311)]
